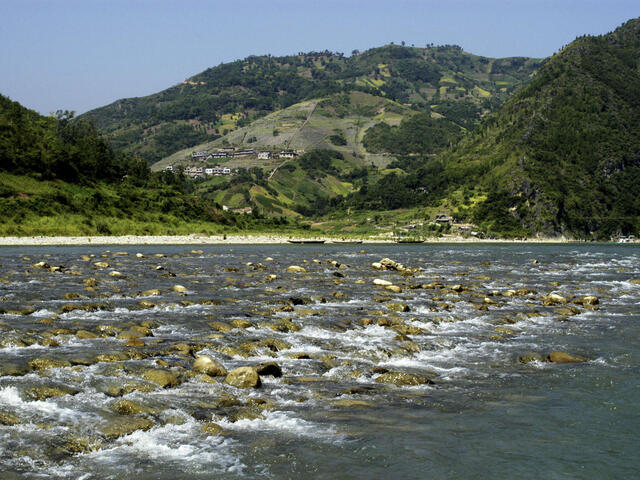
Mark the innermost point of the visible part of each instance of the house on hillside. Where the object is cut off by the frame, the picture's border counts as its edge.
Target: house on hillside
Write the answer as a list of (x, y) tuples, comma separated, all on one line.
[(443, 218), (200, 156), (287, 154), (241, 211), (245, 153)]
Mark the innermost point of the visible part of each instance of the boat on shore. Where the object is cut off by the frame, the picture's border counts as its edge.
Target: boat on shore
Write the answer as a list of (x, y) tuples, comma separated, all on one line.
[(305, 242)]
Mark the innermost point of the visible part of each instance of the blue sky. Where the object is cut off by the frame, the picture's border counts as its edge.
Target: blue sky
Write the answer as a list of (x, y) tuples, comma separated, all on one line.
[(82, 54)]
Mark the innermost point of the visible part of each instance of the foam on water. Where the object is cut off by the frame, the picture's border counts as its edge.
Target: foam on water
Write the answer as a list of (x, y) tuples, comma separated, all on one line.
[(285, 423), (179, 445), (10, 396)]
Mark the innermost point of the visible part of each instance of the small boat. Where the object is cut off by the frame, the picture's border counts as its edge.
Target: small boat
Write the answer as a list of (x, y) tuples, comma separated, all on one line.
[(305, 242), (409, 240), (347, 242)]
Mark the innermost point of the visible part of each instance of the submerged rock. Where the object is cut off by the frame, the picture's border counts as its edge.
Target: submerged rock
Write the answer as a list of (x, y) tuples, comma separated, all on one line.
[(398, 307), (125, 426), (562, 357), (8, 419), (135, 332), (42, 363), (348, 403), (401, 379), (42, 393), (212, 429), (128, 407), (243, 377), (530, 357)]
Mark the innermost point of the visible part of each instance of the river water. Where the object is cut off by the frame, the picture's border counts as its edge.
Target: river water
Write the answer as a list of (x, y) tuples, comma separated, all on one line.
[(463, 316)]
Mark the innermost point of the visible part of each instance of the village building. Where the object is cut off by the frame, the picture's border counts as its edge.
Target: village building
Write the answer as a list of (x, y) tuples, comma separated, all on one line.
[(443, 218), (287, 154), (200, 156), (241, 211)]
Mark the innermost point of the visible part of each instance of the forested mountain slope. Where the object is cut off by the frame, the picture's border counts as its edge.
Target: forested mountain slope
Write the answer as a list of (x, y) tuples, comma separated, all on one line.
[(445, 79), (563, 154)]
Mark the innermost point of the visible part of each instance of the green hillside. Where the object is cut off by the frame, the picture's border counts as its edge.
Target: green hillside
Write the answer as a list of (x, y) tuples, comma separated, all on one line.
[(338, 122), (59, 177), (563, 154), (444, 79)]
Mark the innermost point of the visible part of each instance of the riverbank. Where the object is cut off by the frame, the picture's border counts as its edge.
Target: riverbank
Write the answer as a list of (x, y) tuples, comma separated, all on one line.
[(249, 239)]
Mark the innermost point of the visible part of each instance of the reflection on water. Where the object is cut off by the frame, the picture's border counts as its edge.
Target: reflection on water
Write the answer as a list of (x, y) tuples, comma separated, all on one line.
[(432, 369)]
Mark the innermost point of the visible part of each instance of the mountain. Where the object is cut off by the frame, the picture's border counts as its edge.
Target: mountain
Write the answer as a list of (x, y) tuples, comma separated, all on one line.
[(562, 155), (452, 83)]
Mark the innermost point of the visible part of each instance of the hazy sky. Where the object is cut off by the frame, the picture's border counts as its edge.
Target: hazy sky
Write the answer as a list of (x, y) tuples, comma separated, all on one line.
[(82, 54)]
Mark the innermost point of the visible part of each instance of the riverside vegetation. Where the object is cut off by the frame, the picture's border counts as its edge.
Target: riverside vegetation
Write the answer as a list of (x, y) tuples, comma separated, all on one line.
[(389, 142)]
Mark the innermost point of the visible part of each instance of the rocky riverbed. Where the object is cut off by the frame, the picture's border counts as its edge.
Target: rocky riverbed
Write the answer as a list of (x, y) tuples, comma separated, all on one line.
[(274, 361)]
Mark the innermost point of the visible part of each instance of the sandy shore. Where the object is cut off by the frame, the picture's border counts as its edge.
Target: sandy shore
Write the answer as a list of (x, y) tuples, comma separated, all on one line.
[(199, 239)]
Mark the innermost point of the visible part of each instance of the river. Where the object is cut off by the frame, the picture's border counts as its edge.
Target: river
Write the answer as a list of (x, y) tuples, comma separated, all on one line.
[(442, 373)]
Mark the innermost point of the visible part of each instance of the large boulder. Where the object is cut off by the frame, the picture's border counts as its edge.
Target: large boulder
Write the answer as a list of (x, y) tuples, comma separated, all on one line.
[(209, 366), (243, 377)]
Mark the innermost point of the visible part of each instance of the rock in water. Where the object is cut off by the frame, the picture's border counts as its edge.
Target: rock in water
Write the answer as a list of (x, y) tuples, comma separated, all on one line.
[(41, 363), (209, 366), (530, 357), (243, 377), (269, 368), (296, 269), (561, 357), (164, 378), (212, 429), (126, 425), (401, 379)]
